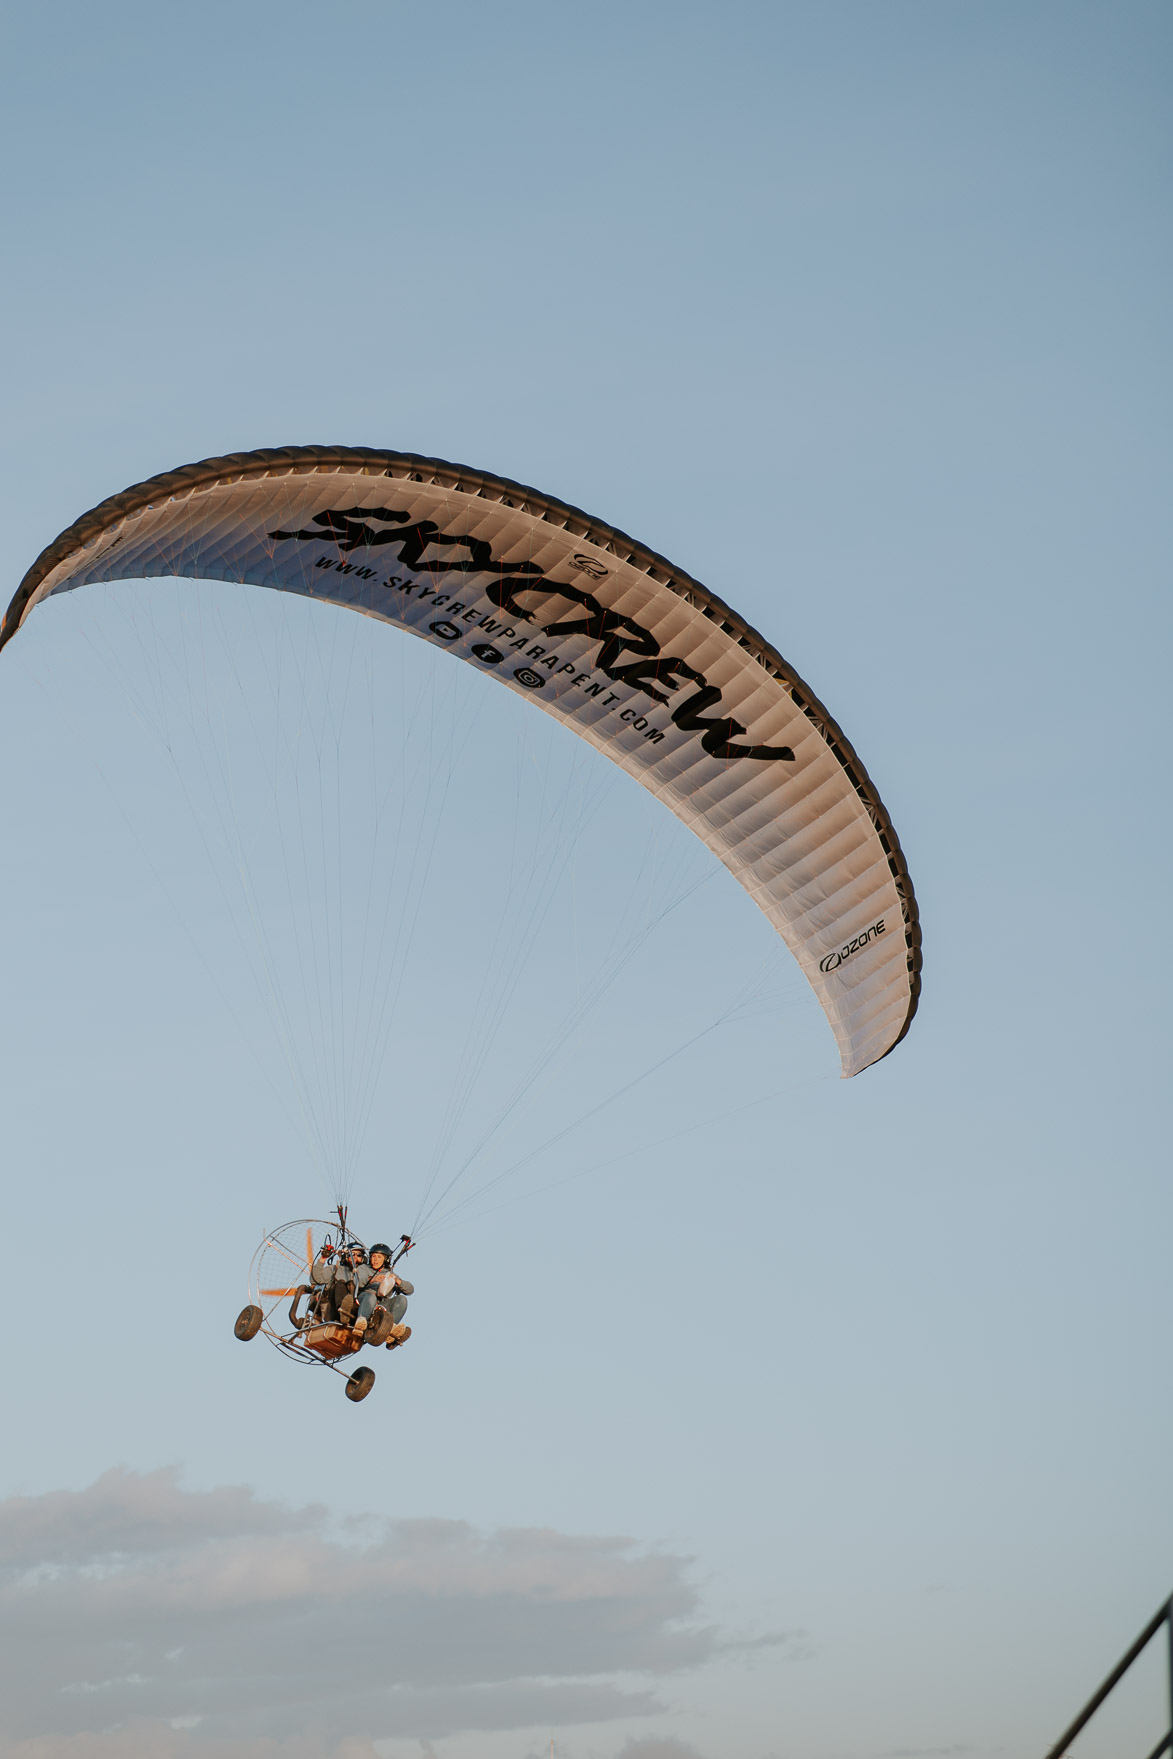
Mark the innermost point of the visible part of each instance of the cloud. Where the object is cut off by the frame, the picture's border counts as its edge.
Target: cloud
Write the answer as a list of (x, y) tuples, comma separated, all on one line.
[(925, 1752), (656, 1747), (127, 1514), (143, 1619), (159, 1741)]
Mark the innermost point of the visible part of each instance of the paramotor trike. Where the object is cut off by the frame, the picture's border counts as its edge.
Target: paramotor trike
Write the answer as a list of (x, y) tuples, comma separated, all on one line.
[(326, 1332)]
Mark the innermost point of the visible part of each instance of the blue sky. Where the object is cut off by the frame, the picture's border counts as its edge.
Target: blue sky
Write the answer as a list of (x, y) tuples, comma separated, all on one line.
[(860, 314)]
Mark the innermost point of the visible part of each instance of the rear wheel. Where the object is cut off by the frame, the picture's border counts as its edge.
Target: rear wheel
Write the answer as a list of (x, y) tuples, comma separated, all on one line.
[(360, 1383), (248, 1323)]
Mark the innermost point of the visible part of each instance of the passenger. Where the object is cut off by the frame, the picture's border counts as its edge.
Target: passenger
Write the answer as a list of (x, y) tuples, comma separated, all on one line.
[(381, 1291)]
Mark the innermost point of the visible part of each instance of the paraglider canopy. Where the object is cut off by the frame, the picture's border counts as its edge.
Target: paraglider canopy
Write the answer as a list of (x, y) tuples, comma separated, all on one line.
[(635, 656)]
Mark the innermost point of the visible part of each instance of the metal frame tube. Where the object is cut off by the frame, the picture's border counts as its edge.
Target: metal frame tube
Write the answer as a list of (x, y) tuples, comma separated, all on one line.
[(1163, 1617)]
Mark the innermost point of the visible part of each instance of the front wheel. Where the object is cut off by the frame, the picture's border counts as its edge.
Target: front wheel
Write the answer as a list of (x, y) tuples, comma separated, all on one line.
[(360, 1383), (248, 1323)]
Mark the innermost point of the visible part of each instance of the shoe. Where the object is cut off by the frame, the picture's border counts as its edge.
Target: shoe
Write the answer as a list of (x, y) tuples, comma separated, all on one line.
[(399, 1335), (360, 1323)]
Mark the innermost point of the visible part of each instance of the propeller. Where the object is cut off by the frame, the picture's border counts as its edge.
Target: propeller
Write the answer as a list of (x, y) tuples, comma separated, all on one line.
[(309, 1259)]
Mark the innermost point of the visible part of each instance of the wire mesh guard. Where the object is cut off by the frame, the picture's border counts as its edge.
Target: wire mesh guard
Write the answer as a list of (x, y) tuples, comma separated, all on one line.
[(280, 1277)]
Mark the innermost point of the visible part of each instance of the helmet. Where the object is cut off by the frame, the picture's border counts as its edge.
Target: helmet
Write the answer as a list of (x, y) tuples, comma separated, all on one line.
[(354, 1250), (379, 1247)]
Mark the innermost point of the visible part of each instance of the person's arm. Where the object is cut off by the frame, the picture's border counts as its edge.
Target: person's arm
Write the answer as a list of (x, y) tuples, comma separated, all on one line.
[(405, 1287)]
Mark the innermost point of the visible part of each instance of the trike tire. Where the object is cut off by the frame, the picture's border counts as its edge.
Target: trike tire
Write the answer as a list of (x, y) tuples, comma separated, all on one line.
[(248, 1323), (360, 1383)]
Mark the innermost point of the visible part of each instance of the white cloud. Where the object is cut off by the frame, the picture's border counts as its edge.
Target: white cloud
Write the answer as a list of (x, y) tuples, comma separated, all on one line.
[(141, 1619), (656, 1747), (125, 1513), (155, 1740)]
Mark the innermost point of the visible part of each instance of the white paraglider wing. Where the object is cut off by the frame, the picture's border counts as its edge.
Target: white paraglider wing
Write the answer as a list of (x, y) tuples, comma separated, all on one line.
[(635, 656)]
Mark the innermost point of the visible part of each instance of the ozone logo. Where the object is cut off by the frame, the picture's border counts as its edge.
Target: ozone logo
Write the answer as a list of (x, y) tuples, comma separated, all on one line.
[(833, 961), (589, 566), (527, 676), (446, 631), (488, 656)]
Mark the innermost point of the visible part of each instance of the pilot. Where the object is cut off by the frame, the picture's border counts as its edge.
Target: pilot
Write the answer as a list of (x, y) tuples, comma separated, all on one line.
[(351, 1265), (322, 1274)]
